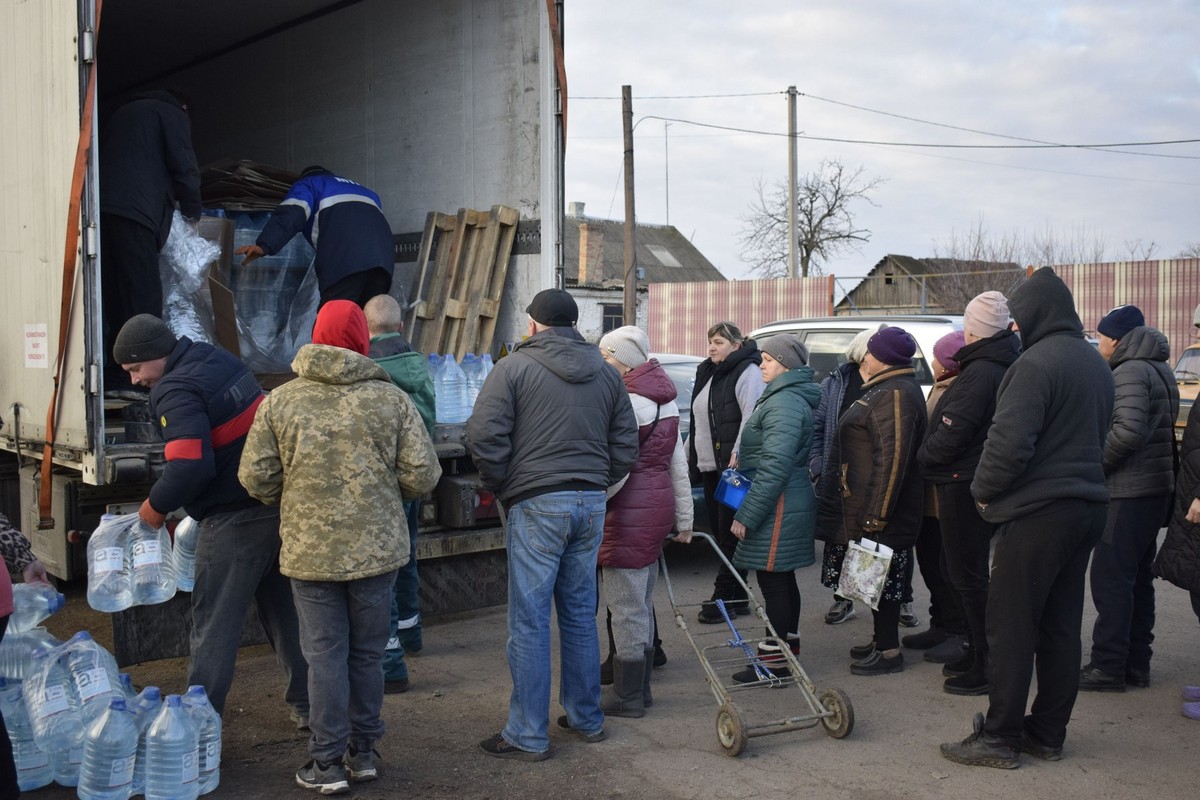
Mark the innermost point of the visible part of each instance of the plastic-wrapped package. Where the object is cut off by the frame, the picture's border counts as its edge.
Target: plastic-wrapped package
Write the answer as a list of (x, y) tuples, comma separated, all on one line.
[(183, 267)]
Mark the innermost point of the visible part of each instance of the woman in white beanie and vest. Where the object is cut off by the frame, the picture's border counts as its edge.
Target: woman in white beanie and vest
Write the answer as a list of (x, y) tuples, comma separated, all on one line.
[(655, 498)]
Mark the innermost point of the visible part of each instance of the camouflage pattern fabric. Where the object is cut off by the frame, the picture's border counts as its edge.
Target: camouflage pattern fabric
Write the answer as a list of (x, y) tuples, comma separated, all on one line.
[(339, 449)]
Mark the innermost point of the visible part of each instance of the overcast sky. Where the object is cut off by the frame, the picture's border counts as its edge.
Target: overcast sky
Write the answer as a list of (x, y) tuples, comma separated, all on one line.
[(1104, 71)]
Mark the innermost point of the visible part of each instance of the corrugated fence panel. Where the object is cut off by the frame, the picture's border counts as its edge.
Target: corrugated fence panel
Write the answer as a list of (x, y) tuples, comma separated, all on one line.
[(681, 313), (1167, 292)]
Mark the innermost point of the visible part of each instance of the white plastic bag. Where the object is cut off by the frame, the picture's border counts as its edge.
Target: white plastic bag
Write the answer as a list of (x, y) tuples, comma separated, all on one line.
[(864, 572)]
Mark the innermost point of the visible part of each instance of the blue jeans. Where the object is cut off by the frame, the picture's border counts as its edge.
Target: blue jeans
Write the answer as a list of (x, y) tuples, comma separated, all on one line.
[(406, 608), (343, 630), (237, 562), (552, 542)]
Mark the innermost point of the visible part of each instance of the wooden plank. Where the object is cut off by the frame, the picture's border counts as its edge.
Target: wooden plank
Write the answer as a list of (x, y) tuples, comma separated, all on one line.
[(481, 274), (473, 229), (432, 220), (508, 218), (444, 269)]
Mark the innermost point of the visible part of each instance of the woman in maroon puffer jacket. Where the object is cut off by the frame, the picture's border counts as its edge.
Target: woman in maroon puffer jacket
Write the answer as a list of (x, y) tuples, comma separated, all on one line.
[(641, 512)]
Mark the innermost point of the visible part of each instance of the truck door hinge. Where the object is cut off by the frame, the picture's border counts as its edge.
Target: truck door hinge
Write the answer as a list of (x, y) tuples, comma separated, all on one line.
[(87, 46), (89, 241)]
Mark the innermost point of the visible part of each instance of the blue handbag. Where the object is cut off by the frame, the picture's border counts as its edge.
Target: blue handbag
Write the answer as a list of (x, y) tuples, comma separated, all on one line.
[(732, 488)]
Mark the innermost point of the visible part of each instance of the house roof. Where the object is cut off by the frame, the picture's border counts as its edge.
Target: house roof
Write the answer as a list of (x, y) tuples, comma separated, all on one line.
[(664, 254), (937, 266)]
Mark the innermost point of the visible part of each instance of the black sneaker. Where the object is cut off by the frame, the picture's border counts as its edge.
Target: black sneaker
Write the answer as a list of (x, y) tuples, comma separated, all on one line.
[(924, 640), (878, 664), (982, 750), (861, 651), (1092, 679), (971, 683), (841, 610), (323, 778), (1038, 750), (959, 666), (1137, 677), (711, 615), (590, 738), (950, 650), (499, 747), (396, 687)]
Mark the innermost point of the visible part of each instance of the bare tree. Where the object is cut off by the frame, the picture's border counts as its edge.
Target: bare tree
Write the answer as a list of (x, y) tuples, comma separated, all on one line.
[(1190, 250), (824, 223), (1140, 252), (971, 262), (1076, 246)]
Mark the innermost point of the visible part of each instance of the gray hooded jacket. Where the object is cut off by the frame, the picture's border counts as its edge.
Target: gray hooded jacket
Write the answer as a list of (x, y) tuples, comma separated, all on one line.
[(552, 416)]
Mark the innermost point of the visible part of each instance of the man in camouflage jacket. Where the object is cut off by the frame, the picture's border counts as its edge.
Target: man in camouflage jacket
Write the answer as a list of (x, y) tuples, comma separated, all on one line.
[(340, 449)]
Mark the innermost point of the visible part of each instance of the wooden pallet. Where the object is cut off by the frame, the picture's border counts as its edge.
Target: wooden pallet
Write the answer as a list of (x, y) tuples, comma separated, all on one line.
[(458, 297)]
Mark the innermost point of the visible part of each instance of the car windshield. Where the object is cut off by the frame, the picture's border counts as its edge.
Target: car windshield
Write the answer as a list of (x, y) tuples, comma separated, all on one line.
[(1188, 368)]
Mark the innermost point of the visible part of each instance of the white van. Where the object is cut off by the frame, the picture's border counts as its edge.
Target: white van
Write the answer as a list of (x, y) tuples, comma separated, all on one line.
[(828, 337)]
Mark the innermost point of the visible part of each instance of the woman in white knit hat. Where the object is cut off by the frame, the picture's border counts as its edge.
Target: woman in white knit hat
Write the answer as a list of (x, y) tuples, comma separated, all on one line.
[(642, 510)]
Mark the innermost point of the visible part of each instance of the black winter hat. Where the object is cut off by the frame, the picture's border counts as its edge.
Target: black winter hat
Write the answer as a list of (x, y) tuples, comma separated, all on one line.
[(1120, 321), (555, 308), (143, 338)]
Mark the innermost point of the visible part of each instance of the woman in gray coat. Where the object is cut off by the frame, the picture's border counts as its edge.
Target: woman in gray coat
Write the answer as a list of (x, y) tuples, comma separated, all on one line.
[(776, 521)]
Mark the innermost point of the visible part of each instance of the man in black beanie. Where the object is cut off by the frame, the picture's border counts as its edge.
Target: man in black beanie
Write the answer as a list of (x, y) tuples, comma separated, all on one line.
[(1041, 481), (204, 399)]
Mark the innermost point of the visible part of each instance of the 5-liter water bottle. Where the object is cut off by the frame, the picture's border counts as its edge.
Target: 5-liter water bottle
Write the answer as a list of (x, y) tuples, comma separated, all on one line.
[(66, 765), (184, 549), (125, 681), (110, 587), (150, 559), (16, 651), (208, 734), (486, 363), (435, 374), (93, 674), (109, 752), (472, 369), (172, 759), (453, 387), (146, 707), (33, 765), (53, 708), (33, 603)]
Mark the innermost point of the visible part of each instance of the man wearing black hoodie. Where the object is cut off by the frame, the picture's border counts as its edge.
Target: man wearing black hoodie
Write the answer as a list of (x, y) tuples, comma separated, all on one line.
[(1041, 481)]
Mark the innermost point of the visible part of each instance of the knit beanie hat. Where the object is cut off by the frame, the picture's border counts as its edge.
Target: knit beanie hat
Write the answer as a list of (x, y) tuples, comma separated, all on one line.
[(1120, 321), (856, 351), (893, 346), (341, 323), (986, 315), (143, 338), (945, 348), (629, 344), (786, 348)]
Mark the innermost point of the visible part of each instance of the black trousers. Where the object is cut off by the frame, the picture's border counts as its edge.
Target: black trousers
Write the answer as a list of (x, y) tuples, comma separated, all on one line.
[(966, 550), (781, 597), (726, 586), (1123, 584), (359, 287), (1034, 613), (129, 283), (945, 611)]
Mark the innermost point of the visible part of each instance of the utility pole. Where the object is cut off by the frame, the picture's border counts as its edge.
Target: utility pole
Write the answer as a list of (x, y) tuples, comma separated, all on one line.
[(667, 168), (792, 243), (630, 310)]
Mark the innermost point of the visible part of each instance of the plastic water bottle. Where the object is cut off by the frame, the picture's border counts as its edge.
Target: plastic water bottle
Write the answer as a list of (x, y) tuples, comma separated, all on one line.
[(109, 752), (208, 728), (66, 765), (172, 759), (94, 675), (16, 652), (472, 369), (110, 587), (33, 603), (33, 766), (454, 387), (434, 362), (125, 680), (146, 708), (486, 364), (186, 533), (150, 559), (53, 709)]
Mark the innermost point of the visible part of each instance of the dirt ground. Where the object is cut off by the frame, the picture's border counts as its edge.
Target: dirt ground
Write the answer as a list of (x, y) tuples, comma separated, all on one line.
[(1132, 745)]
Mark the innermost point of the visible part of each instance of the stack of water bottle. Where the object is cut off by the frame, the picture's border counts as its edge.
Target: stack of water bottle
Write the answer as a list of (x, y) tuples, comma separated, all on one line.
[(129, 564), (77, 722), (457, 385)]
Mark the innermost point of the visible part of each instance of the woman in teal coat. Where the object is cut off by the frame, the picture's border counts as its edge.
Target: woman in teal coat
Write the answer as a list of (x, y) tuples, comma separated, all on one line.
[(776, 522)]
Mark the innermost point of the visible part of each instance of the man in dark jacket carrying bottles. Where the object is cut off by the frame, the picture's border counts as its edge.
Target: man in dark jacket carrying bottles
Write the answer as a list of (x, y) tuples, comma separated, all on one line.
[(552, 428), (1138, 462), (1040, 480), (205, 400)]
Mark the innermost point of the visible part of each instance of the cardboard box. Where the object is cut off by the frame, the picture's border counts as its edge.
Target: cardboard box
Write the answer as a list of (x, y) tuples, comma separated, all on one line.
[(225, 330)]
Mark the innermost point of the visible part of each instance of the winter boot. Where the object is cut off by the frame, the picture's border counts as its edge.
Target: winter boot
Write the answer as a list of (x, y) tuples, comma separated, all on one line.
[(624, 698), (647, 700), (771, 658), (606, 667), (973, 682), (961, 665)]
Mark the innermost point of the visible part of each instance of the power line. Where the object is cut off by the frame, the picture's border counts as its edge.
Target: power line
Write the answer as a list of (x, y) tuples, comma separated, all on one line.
[(679, 96)]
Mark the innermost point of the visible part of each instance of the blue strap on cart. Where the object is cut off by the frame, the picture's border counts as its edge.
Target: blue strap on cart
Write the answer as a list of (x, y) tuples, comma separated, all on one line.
[(760, 669)]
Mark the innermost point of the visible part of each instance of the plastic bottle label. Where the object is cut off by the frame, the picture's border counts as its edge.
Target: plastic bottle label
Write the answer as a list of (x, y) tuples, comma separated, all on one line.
[(212, 755), (75, 757), (54, 701), (122, 771), (191, 766), (91, 682), (108, 559), (147, 553)]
